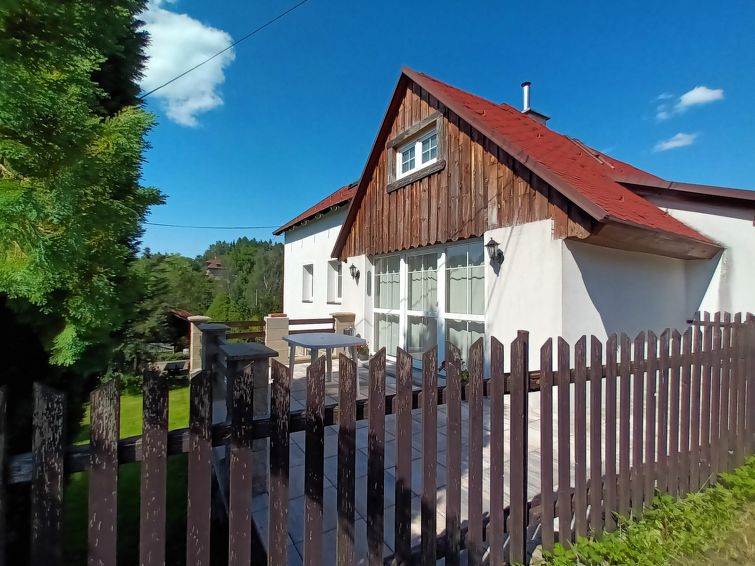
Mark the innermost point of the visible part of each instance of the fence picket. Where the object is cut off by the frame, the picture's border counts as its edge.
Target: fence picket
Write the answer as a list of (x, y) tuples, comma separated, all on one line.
[(474, 404), (347, 395), (610, 481), (429, 453), (715, 400), (403, 513), (103, 475), (277, 545), (47, 476), (546, 443), (675, 369), (580, 437), (651, 385), (596, 449), (705, 417), (154, 470), (740, 338), (726, 391), (453, 454), (313, 463), (750, 385), (564, 444), (637, 422), (663, 403), (240, 464), (376, 458), (624, 425), (684, 437), (497, 526), (518, 444), (199, 471), (3, 460), (696, 389)]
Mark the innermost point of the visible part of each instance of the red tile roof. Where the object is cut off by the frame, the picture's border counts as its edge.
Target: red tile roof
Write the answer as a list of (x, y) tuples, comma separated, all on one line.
[(342, 195), (588, 178)]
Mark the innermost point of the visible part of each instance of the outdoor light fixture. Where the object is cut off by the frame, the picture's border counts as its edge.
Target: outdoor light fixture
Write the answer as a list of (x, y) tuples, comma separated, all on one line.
[(494, 253), (354, 271)]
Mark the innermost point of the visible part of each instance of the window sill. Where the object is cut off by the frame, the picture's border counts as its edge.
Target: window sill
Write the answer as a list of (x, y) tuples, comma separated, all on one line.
[(307, 301), (417, 175), (334, 302)]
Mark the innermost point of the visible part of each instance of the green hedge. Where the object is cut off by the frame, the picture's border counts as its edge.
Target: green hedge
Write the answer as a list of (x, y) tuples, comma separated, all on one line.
[(671, 529)]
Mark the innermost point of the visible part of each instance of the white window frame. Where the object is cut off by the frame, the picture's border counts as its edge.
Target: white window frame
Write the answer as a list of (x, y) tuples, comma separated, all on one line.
[(307, 294), (417, 144), (440, 313), (335, 281)]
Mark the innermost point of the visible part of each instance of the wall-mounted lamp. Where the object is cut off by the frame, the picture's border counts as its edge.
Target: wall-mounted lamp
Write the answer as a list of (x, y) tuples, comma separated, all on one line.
[(354, 271), (494, 252)]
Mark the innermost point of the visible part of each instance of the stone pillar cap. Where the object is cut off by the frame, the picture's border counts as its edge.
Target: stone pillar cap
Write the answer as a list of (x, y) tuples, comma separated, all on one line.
[(198, 319), (213, 327)]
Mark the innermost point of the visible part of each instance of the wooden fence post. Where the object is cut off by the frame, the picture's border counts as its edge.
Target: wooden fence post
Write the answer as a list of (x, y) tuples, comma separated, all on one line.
[(596, 446), (376, 459), (610, 483), (103, 475), (347, 394), (429, 454), (453, 454), (546, 443), (199, 493), (564, 444), (313, 462), (518, 443), (474, 532), (651, 391), (580, 437), (496, 527), (403, 513), (279, 464)]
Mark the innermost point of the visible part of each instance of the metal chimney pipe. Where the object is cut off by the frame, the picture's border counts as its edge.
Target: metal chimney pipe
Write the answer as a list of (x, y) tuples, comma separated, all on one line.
[(526, 95)]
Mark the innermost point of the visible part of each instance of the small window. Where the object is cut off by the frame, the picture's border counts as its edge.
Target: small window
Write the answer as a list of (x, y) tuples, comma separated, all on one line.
[(418, 153), (307, 290), (335, 281)]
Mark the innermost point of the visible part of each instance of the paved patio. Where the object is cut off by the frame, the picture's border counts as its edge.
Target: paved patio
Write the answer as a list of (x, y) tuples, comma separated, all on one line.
[(296, 485)]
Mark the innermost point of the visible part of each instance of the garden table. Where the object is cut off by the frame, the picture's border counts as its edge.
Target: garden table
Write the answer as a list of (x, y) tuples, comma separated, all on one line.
[(316, 341)]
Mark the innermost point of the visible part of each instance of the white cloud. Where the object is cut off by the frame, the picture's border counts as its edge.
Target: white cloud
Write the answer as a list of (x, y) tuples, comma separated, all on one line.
[(679, 140), (177, 43), (695, 97)]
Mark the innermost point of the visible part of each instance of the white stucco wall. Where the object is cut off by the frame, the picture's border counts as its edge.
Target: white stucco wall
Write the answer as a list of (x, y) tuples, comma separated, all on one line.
[(311, 244), (526, 292)]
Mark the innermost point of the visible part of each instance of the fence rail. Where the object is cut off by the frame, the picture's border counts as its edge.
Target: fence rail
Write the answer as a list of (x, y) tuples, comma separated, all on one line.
[(661, 414)]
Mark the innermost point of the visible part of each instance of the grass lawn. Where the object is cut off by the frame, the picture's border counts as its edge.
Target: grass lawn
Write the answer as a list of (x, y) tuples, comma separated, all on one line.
[(77, 490)]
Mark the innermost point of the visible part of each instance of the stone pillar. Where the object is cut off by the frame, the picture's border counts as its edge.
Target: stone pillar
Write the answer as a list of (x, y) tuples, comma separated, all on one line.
[(276, 327), (237, 358), (195, 342)]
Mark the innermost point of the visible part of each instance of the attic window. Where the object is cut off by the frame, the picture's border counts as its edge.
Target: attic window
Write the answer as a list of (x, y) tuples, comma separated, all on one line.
[(416, 152)]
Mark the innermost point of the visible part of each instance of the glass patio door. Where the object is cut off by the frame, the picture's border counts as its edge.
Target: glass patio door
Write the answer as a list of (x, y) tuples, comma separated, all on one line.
[(422, 303)]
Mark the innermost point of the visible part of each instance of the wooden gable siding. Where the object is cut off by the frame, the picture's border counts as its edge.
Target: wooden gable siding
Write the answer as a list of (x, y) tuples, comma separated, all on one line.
[(482, 187)]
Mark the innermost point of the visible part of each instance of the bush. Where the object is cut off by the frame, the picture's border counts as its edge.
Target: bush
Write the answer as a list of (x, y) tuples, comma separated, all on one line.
[(670, 529)]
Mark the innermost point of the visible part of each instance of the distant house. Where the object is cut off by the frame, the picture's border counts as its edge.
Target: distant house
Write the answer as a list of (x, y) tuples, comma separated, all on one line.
[(213, 267), (474, 219)]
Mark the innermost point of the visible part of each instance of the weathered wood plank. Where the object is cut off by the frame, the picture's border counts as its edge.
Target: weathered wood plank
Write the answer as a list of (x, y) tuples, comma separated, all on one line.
[(376, 459), (103, 475), (624, 425), (675, 432), (596, 446), (741, 368), (279, 462), (313, 463), (564, 445), (240, 464), (199, 494), (663, 403), (347, 395), (725, 443), (154, 470), (453, 454), (403, 403), (518, 444), (580, 437), (651, 390), (706, 399), (695, 394), (497, 442), (637, 422), (610, 501), (715, 399), (546, 443), (474, 534), (429, 451), (47, 476), (684, 436)]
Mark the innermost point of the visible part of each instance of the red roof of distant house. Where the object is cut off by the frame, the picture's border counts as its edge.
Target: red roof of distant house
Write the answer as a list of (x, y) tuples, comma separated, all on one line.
[(341, 196), (585, 176), (213, 264)]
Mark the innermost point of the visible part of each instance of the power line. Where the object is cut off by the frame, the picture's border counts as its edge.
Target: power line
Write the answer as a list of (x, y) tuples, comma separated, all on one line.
[(231, 46), (210, 227)]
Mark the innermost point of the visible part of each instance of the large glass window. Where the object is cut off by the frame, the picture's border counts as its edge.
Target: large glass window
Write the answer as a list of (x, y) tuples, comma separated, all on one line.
[(464, 333), (421, 334), (465, 279), (387, 332), (335, 281), (387, 282), (423, 282)]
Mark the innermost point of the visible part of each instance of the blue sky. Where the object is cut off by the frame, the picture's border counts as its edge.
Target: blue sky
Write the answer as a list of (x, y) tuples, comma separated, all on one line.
[(288, 116)]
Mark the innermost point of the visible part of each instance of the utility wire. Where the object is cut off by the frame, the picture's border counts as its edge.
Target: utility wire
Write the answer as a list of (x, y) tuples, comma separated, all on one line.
[(231, 46), (210, 227)]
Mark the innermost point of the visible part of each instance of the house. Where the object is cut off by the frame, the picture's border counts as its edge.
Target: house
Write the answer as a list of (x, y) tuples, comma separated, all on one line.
[(213, 267), (472, 218), (313, 280)]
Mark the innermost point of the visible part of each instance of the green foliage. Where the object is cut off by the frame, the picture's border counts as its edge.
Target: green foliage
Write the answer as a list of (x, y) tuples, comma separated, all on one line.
[(671, 529), (70, 158)]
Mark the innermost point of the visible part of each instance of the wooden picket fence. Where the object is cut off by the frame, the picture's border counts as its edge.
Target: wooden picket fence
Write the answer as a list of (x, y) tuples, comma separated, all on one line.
[(664, 414)]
